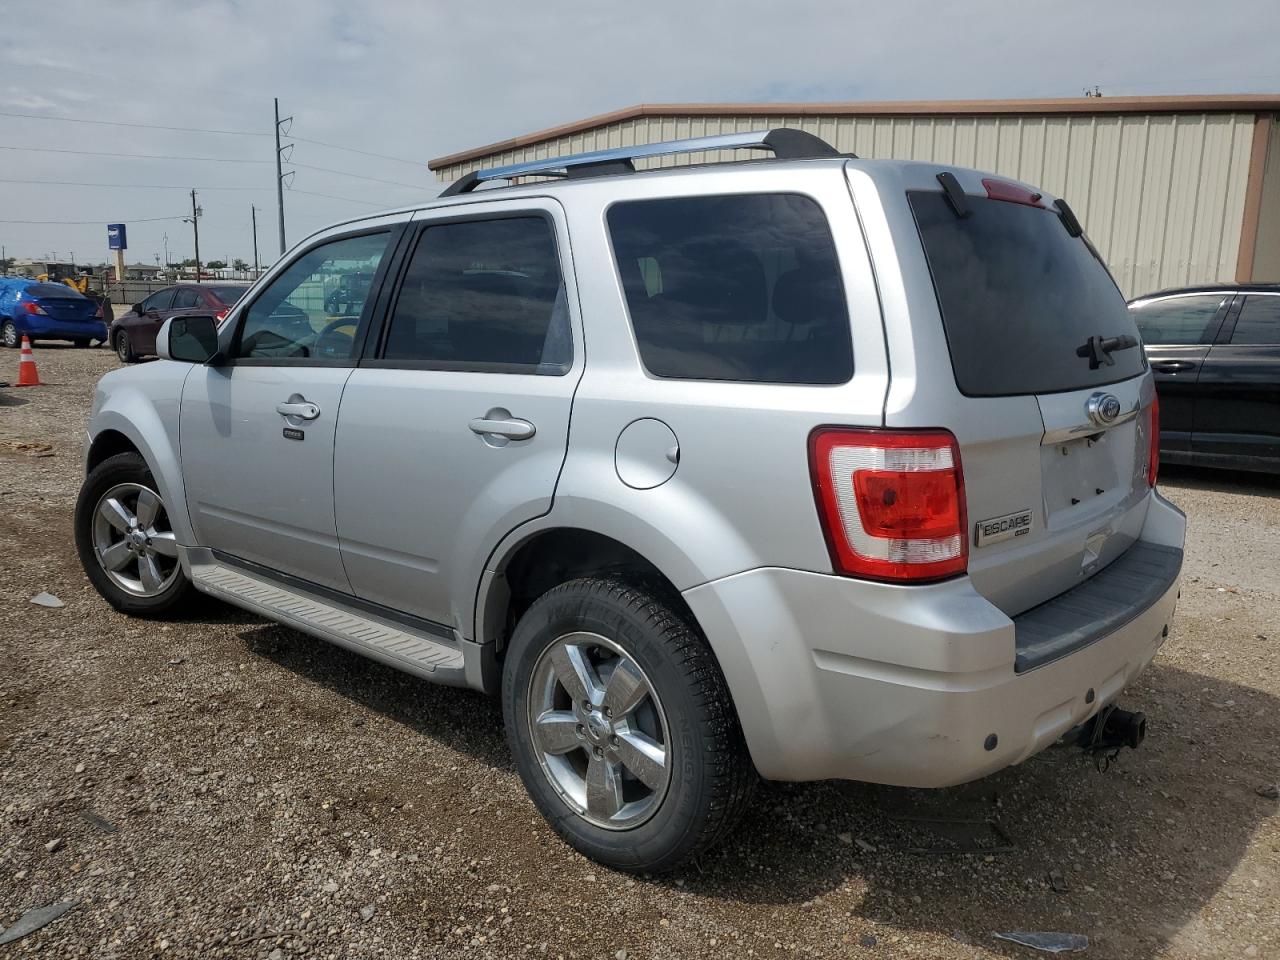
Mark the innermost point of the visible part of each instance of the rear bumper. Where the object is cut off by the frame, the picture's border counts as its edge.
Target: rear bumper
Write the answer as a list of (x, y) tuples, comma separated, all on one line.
[(50, 328), (836, 678)]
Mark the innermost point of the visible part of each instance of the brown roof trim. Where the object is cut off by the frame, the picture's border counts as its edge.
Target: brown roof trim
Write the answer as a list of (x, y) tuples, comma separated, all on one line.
[(1196, 103), (1253, 198)]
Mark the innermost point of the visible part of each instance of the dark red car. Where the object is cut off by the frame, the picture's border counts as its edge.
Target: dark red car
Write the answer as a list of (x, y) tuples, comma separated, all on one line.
[(134, 334)]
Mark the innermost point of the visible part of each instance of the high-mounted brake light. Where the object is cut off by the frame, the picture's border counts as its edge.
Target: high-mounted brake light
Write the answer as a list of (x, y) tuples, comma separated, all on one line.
[(33, 307), (892, 503), (1153, 454), (1011, 192)]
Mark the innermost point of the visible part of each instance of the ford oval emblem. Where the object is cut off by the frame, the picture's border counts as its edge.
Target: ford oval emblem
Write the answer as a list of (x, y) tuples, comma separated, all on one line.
[(1103, 409)]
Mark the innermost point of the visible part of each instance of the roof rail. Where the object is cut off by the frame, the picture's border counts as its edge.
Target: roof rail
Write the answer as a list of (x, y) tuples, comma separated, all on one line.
[(786, 144)]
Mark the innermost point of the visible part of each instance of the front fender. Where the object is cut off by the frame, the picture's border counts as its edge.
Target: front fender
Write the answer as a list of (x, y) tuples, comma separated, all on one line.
[(144, 409)]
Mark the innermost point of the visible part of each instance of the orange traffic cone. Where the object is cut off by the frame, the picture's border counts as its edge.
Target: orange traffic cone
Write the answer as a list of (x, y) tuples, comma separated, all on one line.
[(28, 376)]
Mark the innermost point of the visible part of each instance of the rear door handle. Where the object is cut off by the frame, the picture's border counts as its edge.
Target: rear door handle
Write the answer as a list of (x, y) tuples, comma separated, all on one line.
[(1172, 366), (512, 428), (298, 406)]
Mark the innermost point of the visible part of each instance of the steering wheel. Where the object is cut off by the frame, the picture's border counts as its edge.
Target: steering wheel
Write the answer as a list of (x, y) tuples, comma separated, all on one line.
[(318, 346), (340, 301)]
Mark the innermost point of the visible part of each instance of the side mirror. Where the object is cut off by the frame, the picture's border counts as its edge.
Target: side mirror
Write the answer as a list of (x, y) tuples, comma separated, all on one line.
[(137, 308), (188, 339)]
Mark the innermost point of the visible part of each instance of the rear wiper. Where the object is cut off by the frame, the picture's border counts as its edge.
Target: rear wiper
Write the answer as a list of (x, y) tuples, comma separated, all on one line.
[(1099, 349)]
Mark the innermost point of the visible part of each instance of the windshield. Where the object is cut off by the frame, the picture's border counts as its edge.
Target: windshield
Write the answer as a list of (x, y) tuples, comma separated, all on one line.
[(1019, 295)]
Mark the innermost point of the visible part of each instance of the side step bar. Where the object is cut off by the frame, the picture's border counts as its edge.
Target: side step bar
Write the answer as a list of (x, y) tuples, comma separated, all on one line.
[(396, 645)]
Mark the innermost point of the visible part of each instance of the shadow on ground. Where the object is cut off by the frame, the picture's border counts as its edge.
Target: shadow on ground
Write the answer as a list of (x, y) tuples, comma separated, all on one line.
[(1136, 851)]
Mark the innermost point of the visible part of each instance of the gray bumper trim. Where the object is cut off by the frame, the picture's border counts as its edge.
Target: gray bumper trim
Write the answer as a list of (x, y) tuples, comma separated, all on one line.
[(1099, 606)]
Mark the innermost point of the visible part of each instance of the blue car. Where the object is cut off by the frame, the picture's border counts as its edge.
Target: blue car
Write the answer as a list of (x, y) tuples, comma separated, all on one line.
[(47, 311)]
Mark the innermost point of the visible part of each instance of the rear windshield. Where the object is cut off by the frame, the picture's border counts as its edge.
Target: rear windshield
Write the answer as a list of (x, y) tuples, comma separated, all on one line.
[(228, 295), (1018, 296), (740, 287), (52, 290)]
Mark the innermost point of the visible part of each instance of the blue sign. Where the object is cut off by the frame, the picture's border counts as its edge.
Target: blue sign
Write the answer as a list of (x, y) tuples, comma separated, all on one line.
[(116, 237)]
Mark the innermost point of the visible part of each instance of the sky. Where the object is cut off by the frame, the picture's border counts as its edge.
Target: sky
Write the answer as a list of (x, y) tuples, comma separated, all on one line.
[(395, 84)]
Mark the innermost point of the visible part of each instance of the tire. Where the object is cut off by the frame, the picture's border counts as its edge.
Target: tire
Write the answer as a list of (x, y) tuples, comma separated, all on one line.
[(124, 347), (9, 335), (126, 479), (81, 344), (687, 713)]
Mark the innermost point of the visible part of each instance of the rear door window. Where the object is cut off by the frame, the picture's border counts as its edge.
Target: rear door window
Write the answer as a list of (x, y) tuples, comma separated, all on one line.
[(1178, 320), (1259, 321), (1019, 295), (185, 299), (742, 287)]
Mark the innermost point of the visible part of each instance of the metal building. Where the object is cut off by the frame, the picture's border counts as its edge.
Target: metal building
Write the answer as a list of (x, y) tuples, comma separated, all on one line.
[(1172, 190)]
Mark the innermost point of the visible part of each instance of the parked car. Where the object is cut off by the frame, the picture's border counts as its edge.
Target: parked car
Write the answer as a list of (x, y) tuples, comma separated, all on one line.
[(134, 334), (47, 311), (1215, 351), (803, 468)]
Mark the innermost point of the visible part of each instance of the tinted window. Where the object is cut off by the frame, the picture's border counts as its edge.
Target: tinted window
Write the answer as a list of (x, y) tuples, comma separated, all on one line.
[(312, 309), (733, 288), (483, 295), (1018, 296), (1259, 321), (227, 295), (185, 299), (159, 300), (53, 290), (1178, 319)]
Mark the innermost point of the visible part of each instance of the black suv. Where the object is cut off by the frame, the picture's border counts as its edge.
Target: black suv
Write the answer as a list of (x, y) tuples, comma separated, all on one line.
[(1215, 352)]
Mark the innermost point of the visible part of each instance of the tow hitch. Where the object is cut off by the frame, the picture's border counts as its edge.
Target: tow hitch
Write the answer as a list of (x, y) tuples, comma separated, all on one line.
[(1112, 728)]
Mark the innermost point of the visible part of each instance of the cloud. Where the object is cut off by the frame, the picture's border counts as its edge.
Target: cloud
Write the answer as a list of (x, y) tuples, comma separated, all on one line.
[(415, 80)]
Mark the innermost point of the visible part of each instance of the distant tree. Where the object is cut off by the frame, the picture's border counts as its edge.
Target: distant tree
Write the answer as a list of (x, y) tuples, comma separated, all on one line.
[(189, 263), (238, 264), (216, 264)]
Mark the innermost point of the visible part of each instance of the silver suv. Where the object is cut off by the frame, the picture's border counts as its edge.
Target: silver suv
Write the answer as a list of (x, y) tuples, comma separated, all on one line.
[(804, 467)]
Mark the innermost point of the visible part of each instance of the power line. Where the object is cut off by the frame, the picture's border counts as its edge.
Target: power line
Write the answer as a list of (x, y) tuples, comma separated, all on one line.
[(129, 156), (330, 196), (358, 176), (123, 186), (99, 221), (363, 153), (144, 126)]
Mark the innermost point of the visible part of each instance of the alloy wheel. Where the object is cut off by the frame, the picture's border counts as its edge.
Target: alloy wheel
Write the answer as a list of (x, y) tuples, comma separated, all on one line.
[(133, 541), (599, 731)]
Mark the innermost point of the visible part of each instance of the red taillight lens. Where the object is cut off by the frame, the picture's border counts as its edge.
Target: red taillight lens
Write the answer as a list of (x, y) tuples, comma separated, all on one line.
[(33, 307), (222, 314), (892, 504), (1153, 455), (1011, 192)]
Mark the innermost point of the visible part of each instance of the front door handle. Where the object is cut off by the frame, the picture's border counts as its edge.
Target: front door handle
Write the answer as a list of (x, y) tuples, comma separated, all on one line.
[(512, 428), (1172, 366), (298, 406)]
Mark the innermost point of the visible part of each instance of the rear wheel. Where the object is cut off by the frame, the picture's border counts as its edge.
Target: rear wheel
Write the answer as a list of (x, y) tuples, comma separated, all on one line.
[(125, 542), (9, 335), (82, 344), (622, 727), (124, 347)]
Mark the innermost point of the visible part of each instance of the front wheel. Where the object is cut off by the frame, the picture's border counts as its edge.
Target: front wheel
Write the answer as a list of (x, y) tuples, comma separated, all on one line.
[(126, 545), (9, 335), (622, 726)]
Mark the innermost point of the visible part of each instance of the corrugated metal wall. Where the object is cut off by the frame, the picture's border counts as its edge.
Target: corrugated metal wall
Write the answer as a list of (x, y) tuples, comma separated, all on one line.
[(1161, 195), (1266, 253)]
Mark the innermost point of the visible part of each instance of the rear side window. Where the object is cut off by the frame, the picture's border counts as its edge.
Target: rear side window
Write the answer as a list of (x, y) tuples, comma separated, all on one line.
[(743, 287), (1018, 296), (1259, 321), (185, 299), (1177, 320), (227, 295), (483, 295)]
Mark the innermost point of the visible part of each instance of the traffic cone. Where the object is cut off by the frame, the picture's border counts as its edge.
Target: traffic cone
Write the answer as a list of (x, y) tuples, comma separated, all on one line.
[(28, 376)]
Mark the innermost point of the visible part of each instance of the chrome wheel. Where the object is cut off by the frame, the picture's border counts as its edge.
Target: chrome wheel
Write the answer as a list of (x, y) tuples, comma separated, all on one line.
[(599, 731), (133, 542), (9, 333)]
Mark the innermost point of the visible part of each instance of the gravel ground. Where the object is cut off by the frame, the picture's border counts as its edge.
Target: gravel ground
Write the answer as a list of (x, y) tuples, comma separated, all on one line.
[(267, 795)]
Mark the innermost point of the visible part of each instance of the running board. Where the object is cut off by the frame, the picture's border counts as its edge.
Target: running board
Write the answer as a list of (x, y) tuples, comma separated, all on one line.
[(396, 645)]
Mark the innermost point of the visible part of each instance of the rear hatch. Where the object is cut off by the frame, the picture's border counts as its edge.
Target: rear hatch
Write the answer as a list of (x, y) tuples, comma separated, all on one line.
[(1054, 444)]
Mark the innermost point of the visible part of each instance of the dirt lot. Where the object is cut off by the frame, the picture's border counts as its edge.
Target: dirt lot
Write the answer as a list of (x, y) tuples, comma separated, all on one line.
[(273, 796)]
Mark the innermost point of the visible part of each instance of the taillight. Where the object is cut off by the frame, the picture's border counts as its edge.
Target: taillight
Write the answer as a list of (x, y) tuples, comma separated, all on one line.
[(222, 314), (1011, 192), (33, 307), (1153, 455), (891, 503)]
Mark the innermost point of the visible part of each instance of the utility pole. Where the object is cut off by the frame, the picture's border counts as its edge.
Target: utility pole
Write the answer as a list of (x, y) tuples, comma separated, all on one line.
[(195, 229), (253, 214), (166, 251), (280, 173)]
